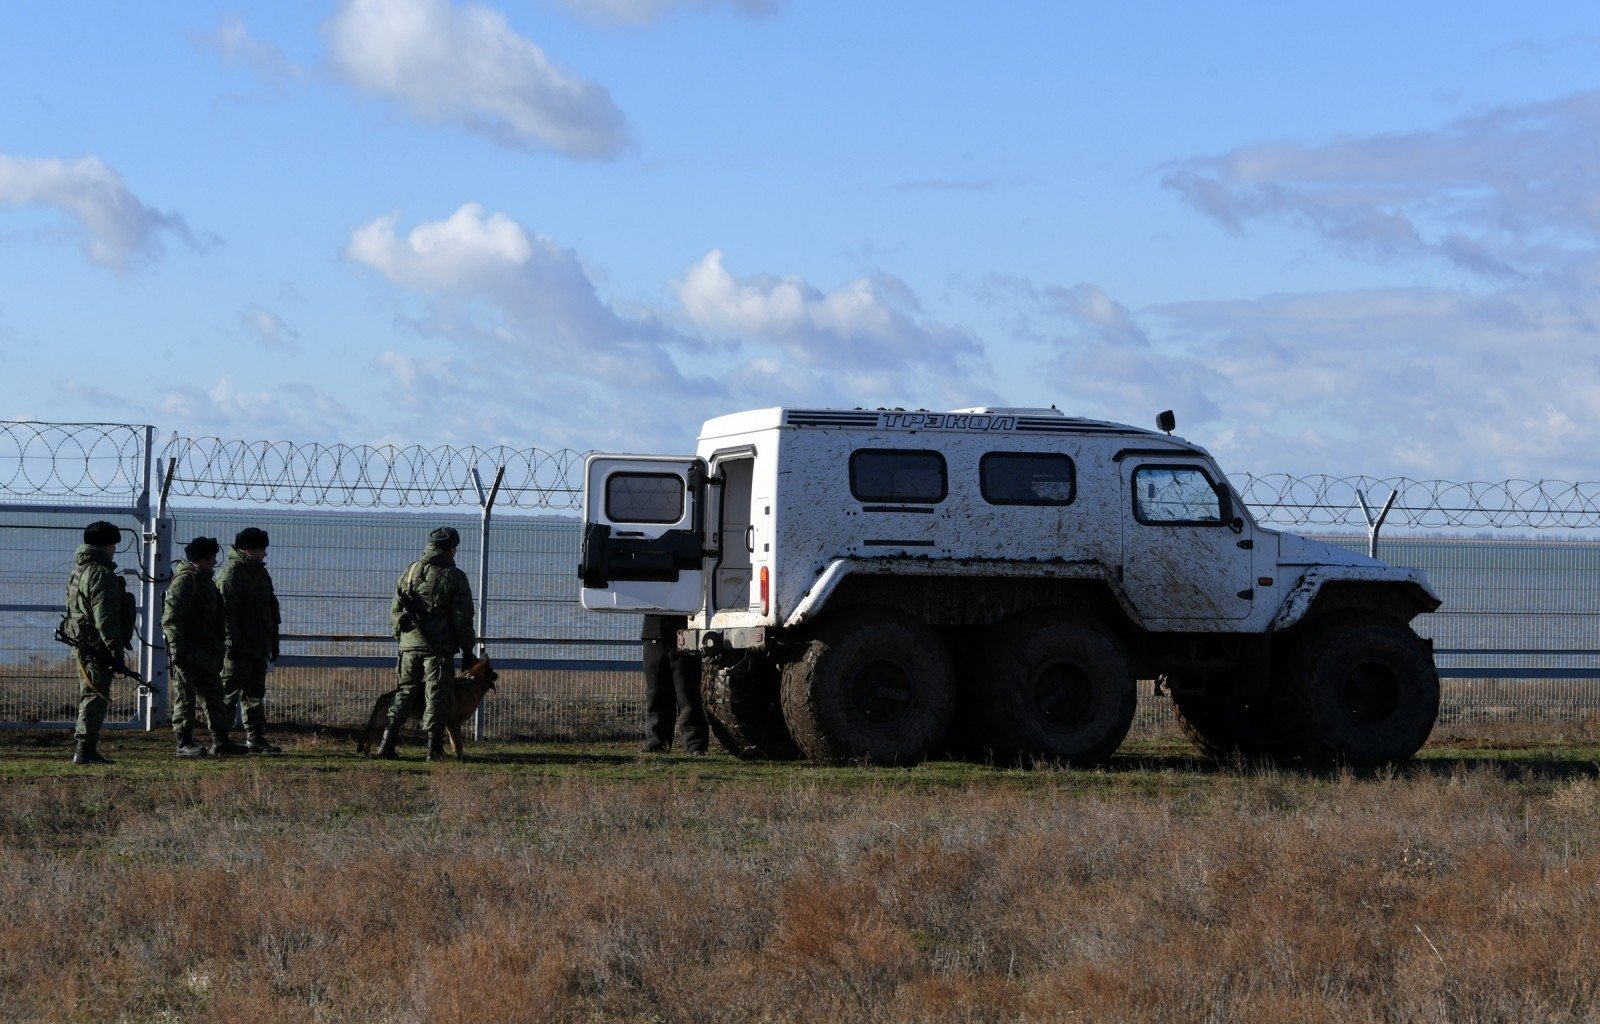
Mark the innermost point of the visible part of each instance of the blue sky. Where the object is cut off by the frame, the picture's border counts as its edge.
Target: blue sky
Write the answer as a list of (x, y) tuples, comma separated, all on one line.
[(1352, 240)]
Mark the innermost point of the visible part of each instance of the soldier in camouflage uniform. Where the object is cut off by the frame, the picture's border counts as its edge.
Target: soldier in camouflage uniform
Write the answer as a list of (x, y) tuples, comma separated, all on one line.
[(251, 620), (191, 620), (100, 616), (432, 618)]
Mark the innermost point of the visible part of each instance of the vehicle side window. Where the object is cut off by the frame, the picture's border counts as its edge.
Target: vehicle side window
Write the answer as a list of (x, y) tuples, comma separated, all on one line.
[(1175, 495), (897, 475), (644, 497), (1027, 478)]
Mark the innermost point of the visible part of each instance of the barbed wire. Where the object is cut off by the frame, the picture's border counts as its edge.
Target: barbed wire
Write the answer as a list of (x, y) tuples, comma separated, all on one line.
[(42, 462), (1321, 500), (361, 476)]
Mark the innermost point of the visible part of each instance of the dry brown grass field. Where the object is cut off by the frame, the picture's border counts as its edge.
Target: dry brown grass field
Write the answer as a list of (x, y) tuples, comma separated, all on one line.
[(590, 883)]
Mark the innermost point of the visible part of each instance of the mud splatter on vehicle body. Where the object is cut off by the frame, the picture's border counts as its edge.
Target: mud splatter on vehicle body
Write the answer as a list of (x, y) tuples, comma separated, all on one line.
[(885, 584)]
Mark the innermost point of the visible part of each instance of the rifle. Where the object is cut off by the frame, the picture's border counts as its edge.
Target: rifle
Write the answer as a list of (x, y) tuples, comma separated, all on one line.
[(100, 656), (411, 613)]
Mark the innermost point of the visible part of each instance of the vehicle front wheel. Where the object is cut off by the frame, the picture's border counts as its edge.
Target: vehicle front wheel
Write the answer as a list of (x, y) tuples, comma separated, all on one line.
[(871, 684), (1362, 689)]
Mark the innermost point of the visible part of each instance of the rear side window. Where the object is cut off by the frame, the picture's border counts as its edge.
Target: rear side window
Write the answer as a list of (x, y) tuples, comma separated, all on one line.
[(644, 497), (1027, 478), (897, 475), (1175, 495)]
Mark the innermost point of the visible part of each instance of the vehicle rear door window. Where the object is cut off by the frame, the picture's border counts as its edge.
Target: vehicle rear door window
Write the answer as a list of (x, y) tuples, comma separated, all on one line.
[(895, 475), (644, 497), (1027, 478)]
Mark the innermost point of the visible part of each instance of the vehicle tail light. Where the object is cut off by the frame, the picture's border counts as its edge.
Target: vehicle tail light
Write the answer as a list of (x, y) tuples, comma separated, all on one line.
[(766, 590)]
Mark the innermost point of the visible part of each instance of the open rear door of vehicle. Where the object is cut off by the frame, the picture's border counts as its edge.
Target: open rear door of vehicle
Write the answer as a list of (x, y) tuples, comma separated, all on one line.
[(643, 534)]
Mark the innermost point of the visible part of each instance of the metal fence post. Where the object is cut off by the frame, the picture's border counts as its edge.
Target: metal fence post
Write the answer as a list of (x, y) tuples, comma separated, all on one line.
[(1374, 525), (156, 534), (486, 507), (158, 574)]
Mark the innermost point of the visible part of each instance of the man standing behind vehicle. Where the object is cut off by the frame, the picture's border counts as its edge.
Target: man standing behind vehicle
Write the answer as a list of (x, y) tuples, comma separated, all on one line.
[(100, 614), (251, 621), (671, 688), (192, 622), (432, 618)]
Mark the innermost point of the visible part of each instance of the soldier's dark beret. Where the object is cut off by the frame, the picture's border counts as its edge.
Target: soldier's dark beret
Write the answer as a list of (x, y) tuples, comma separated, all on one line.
[(445, 537), (250, 538), (201, 548), (101, 533)]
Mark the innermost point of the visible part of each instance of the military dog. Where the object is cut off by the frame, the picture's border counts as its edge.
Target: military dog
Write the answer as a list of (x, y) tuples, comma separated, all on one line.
[(466, 693)]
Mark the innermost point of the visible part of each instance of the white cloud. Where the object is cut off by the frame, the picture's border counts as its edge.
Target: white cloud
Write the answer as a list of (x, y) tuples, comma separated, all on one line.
[(226, 410), (119, 230), (464, 254), (864, 325), (88, 396), (232, 42), (466, 66), (649, 12), (267, 328), (1500, 194), (1420, 382), (531, 331)]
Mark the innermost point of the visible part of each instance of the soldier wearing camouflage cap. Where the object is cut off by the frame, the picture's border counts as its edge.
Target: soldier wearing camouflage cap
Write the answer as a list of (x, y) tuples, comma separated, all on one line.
[(251, 620), (432, 619), (100, 616), (192, 622)]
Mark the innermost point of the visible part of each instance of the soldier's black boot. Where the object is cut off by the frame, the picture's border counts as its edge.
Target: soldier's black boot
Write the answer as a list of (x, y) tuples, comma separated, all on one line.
[(436, 747), (187, 747), (222, 746), (386, 748), (255, 741), (87, 753)]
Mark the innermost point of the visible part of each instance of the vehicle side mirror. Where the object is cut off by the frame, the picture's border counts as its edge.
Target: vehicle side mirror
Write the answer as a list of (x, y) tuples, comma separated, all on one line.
[(1166, 421)]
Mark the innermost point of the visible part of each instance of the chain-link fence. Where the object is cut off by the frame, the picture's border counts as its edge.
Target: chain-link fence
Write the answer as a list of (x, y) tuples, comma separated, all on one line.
[(1516, 636)]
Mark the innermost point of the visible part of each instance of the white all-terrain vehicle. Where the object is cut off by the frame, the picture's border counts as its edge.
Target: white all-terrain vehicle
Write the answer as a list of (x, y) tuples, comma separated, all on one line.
[(887, 584)]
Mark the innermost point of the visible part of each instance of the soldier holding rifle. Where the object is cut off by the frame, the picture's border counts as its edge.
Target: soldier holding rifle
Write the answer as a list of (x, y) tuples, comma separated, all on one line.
[(432, 619), (99, 626)]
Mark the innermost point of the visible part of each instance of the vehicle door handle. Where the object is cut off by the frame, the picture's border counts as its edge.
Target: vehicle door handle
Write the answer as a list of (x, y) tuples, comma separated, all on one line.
[(750, 538)]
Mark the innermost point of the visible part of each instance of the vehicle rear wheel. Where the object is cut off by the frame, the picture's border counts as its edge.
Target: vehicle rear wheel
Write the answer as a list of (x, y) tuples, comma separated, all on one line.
[(1055, 689), (1224, 724), (744, 710), (1362, 689), (871, 684)]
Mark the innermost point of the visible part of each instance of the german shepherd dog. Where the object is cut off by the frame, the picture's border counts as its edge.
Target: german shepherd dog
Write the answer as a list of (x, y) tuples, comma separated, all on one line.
[(466, 693)]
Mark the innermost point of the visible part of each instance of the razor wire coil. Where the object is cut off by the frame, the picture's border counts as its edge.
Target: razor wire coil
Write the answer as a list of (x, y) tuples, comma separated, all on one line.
[(42, 462), (1321, 500), (363, 476), (96, 461)]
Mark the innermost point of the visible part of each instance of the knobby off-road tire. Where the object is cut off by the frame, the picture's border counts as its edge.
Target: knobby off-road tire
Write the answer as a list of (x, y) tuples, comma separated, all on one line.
[(745, 713), (1362, 689), (1056, 689), (1223, 724), (872, 684)]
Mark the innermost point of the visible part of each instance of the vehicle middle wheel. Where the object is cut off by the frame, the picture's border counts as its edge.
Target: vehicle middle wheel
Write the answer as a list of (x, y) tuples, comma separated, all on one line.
[(1055, 689)]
